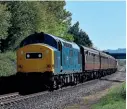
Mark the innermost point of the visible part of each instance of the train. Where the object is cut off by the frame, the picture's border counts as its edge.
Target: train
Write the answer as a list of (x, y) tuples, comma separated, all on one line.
[(47, 60)]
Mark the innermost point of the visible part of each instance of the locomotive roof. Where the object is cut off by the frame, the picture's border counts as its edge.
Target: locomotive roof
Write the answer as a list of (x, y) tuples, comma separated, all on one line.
[(31, 39), (74, 45), (46, 45)]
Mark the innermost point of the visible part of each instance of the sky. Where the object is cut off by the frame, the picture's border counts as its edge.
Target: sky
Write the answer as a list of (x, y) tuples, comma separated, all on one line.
[(104, 21)]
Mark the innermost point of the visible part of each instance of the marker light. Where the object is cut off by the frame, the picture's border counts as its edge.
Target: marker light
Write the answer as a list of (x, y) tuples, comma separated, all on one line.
[(27, 55), (39, 55)]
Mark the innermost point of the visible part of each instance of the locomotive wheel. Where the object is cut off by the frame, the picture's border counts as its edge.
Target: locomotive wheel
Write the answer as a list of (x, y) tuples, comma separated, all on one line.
[(92, 75), (85, 78), (99, 75), (75, 80), (95, 75), (103, 74), (54, 84), (82, 79)]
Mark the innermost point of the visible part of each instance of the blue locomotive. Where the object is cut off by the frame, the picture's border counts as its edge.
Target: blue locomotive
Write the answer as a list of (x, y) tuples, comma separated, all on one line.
[(55, 62)]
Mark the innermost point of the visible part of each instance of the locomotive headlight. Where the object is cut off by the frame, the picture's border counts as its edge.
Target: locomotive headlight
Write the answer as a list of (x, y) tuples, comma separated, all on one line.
[(28, 56), (39, 55)]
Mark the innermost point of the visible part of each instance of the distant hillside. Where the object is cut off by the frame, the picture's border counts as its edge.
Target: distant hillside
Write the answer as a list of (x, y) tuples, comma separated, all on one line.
[(119, 50)]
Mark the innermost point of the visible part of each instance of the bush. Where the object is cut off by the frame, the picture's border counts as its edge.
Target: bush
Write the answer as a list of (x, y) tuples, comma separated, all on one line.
[(115, 99), (7, 63)]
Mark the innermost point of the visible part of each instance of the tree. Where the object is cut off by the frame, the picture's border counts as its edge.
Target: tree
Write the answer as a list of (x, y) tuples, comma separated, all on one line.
[(50, 17), (22, 22), (40, 16), (74, 30), (4, 23), (61, 17), (80, 37)]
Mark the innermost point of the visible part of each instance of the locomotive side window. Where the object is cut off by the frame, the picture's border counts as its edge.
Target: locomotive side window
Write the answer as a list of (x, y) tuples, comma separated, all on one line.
[(71, 53), (67, 45)]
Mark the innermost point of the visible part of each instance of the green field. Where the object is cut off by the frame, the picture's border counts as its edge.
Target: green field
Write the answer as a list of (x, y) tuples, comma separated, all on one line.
[(7, 63), (115, 99)]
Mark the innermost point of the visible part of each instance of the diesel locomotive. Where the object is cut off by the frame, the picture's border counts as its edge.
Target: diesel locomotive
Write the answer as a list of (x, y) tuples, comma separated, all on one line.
[(50, 61)]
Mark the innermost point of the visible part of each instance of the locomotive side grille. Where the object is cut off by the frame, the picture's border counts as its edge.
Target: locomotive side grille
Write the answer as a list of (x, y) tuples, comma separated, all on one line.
[(33, 55)]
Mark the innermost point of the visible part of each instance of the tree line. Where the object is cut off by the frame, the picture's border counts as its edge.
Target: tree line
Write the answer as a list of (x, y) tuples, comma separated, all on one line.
[(18, 19)]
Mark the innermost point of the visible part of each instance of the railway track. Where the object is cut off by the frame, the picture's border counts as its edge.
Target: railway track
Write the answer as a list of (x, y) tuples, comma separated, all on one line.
[(15, 98), (5, 99)]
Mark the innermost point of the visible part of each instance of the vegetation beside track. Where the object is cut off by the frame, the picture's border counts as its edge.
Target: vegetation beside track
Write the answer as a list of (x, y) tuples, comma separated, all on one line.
[(115, 99), (7, 63), (121, 62)]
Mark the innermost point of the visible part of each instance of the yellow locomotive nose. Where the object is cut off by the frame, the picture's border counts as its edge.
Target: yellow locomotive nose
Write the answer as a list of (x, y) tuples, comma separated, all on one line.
[(35, 58)]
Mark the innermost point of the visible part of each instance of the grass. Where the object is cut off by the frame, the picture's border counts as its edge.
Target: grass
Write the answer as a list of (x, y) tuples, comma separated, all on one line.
[(115, 99), (7, 63)]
